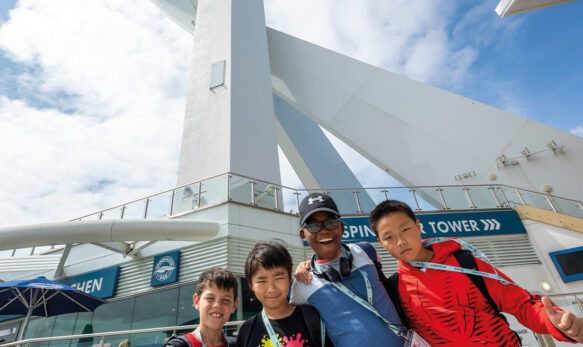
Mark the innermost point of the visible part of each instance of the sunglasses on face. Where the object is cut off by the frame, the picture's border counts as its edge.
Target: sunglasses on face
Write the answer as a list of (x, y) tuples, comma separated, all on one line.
[(314, 227)]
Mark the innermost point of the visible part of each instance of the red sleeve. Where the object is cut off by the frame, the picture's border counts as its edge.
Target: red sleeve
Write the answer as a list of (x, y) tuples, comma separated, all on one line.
[(526, 307)]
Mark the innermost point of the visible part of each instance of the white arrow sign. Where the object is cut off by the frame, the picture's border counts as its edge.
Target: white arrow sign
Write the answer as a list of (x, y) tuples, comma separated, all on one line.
[(490, 224)]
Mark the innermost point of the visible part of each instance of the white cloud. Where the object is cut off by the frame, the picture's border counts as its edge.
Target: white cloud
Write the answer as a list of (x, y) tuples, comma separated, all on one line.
[(577, 131), (408, 37), (114, 77)]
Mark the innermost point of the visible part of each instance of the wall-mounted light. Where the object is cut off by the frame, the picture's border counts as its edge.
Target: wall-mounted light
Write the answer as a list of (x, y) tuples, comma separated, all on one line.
[(546, 286)]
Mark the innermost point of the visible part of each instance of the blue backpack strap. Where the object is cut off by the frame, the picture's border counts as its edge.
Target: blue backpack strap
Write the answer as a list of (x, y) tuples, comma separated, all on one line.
[(391, 285)]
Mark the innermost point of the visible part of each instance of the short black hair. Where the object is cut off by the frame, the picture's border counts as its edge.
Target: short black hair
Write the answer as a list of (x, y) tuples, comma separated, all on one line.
[(269, 255), (387, 207), (221, 278)]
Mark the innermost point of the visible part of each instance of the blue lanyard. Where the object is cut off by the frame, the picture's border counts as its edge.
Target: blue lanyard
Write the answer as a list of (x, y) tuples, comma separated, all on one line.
[(275, 340), (443, 267)]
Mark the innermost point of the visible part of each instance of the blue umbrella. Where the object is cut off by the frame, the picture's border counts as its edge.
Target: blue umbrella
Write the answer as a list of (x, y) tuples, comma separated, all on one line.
[(42, 297)]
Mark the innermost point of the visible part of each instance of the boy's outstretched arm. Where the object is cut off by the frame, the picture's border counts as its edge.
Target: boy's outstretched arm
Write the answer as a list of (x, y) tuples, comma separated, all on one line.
[(302, 273), (564, 321)]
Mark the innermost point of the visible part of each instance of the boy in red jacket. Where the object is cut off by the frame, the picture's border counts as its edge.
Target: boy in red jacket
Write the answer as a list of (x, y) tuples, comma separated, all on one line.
[(446, 307)]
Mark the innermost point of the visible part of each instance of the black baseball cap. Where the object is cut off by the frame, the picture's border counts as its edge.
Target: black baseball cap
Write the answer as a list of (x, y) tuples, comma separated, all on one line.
[(316, 202)]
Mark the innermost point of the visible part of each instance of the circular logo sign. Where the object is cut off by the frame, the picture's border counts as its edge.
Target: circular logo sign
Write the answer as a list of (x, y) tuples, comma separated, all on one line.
[(164, 268)]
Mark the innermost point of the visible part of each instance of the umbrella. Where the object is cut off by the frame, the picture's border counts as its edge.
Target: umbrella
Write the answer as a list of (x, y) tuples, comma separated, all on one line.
[(42, 297)]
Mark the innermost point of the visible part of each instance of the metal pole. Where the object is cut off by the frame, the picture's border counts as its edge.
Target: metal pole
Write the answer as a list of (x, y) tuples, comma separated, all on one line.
[(252, 192), (385, 192), (24, 325), (467, 190), (297, 200), (276, 197), (442, 198), (198, 200), (228, 187), (146, 209), (491, 189), (579, 303), (504, 195), (357, 201), (172, 202), (519, 196), (551, 203), (412, 190)]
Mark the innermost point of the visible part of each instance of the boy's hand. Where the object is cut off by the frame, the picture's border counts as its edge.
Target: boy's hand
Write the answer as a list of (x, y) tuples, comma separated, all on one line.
[(566, 322), (303, 272)]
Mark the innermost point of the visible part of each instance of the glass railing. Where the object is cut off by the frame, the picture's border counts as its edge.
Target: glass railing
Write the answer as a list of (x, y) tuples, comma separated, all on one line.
[(249, 191), (253, 192)]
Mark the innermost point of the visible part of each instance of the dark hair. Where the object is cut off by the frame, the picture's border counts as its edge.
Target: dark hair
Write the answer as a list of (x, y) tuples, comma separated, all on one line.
[(269, 255), (221, 278), (387, 207)]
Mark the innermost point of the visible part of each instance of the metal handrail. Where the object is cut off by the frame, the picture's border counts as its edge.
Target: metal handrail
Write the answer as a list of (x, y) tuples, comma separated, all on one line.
[(298, 190), (519, 192), (174, 329)]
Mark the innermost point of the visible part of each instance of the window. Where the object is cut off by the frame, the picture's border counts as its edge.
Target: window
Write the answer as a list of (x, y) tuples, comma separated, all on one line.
[(569, 263)]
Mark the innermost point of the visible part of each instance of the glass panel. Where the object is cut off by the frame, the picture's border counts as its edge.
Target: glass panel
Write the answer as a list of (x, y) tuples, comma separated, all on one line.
[(377, 195), (402, 194), (568, 207), (187, 315), (513, 198), (5, 254), (152, 311), (536, 200), (185, 199), (251, 305), (345, 200), (429, 199), (94, 216), (64, 325), (114, 213), (367, 203), (84, 326), (135, 210), (213, 191), (498, 191), (288, 196), (40, 327), (114, 316), (455, 198), (41, 249), (482, 197), (264, 194), (240, 189), (159, 206), (22, 252)]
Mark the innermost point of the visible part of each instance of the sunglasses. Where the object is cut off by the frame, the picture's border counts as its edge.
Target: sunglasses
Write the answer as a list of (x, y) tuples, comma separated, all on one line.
[(315, 227)]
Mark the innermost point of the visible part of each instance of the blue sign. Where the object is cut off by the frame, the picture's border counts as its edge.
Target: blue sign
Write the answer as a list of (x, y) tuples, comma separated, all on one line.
[(453, 224), (101, 284), (165, 268)]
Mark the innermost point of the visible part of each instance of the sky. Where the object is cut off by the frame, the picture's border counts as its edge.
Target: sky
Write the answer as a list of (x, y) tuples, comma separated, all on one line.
[(92, 93)]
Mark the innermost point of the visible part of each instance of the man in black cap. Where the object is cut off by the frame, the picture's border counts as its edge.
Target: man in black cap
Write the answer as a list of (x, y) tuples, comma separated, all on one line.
[(345, 288)]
